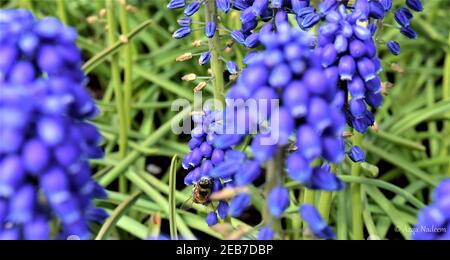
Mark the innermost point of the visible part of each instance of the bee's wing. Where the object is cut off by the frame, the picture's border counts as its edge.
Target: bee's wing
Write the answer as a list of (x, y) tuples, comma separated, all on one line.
[(187, 204)]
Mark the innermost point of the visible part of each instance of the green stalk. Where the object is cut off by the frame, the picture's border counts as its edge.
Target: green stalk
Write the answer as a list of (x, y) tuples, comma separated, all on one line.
[(89, 65), (128, 62), (26, 4), (325, 200), (273, 179), (117, 214), (358, 232), (131, 225), (216, 63), (446, 96), (432, 126), (309, 197), (115, 74), (62, 11), (386, 186), (172, 199), (325, 204), (368, 220), (341, 222)]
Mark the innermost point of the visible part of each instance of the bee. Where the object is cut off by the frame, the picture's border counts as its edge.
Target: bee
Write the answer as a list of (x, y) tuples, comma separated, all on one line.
[(200, 193)]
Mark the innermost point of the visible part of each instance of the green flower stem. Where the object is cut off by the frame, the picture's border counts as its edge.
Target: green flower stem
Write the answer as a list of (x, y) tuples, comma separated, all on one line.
[(118, 93), (273, 179), (369, 222), (89, 65), (131, 225), (26, 4), (308, 197), (325, 200), (357, 221), (61, 11), (109, 224), (446, 96), (325, 204), (128, 62), (105, 106), (172, 199), (216, 63), (341, 221), (131, 157), (386, 186)]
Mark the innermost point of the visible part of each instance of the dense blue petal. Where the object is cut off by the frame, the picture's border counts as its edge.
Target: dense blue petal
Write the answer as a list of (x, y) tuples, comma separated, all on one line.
[(393, 47), (416, 5), (266, 233), (238, 204), (323, 179), (316, 223), (356, 154), (278, 201), (192, 8), (211, 218)]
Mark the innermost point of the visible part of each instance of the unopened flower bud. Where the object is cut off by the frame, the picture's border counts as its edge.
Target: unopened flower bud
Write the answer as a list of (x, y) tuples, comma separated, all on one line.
[(131, 8), (200, 86), (347, 134), (197, 43), (397, 68), (102, 13), (91, 19), (189, 77), (123, 39), (376, 127), (233, 77), (184, 57)]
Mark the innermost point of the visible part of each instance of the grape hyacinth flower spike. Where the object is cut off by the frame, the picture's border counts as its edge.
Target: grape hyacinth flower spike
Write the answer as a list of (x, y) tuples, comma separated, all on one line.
[(349, 51), (212, 28), (204, 157), (434, 220), (46, 139), (307, 97)]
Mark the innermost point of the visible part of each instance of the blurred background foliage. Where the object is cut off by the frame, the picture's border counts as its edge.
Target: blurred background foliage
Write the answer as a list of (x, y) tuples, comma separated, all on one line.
[(408, 150)]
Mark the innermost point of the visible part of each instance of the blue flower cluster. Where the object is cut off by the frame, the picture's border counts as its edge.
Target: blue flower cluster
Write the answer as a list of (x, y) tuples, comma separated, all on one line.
[(347, 43), (253, 11), (311, 78), (434, 220), (204, 157), (45, 140), (309, 115), (210, 27), (403, 17), (348, 48)]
